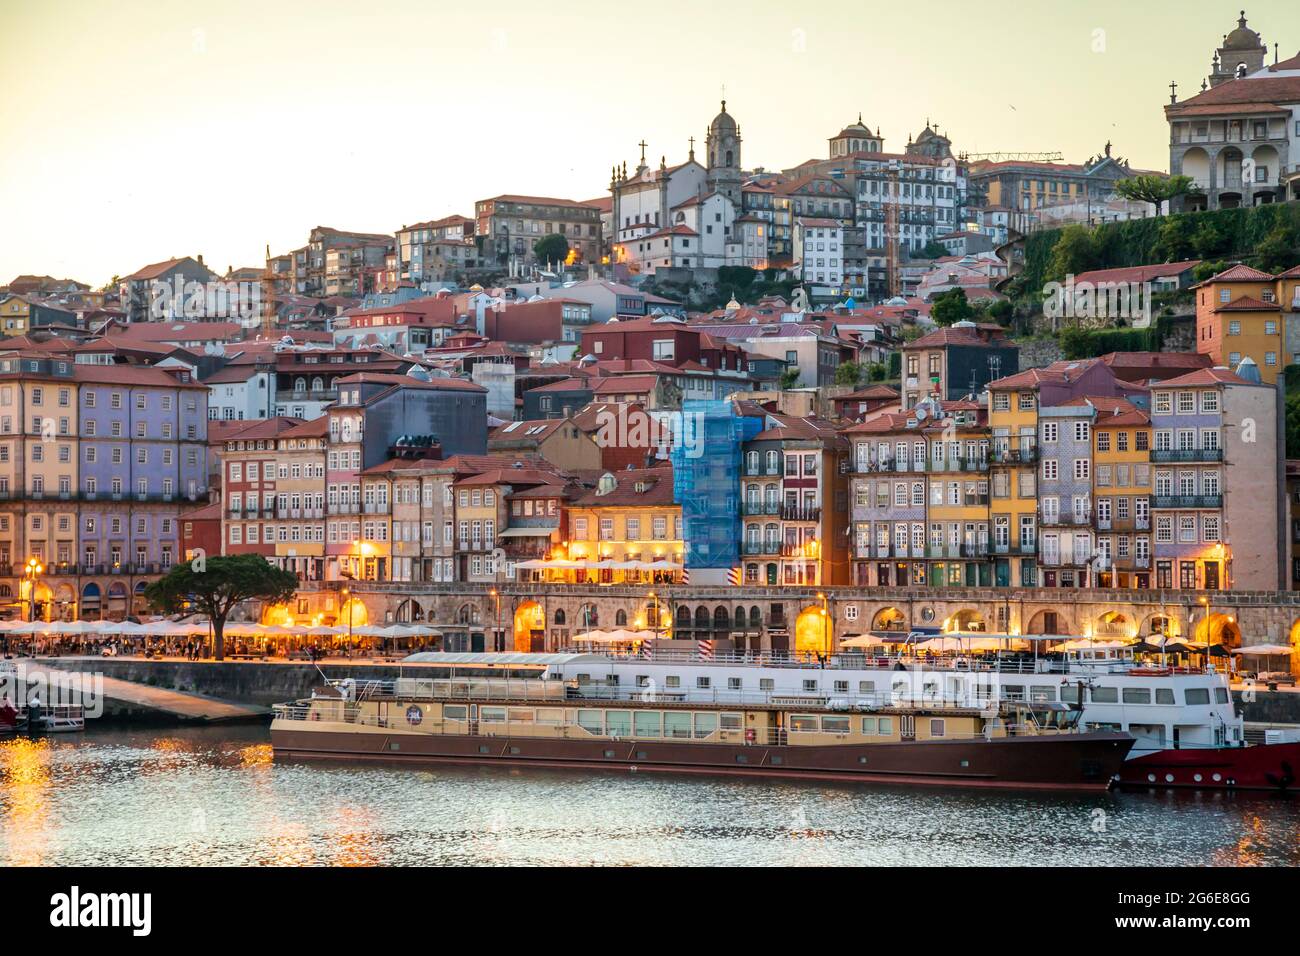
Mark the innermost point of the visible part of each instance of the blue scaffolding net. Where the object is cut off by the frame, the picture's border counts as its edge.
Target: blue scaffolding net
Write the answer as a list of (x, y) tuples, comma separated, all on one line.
[(706, 481)]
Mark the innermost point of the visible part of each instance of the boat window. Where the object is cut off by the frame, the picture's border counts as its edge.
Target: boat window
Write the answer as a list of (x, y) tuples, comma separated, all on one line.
[(677, 724), (521, 715), (1105, 695), (841, 687), (1164, 695), (1196, 695), (869, 726), (673, 680), (1013, 692), (1137, 695), (937, 727), (550, 715), (866, 687), (810, 685), (703, 683), (732, 722), (492, 715), (618, 723), (835, 725), (766, 683), (648, 723), (705, 724), (454, 711), (584, 678), (803, 723), (1220, 695), (642, 680), (592, 721), (1069, 693), (734, 683), (1041, 693), (1105, 727), (887, 726)]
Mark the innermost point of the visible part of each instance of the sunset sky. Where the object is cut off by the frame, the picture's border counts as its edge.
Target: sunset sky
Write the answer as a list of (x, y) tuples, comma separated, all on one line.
[(143, 129)]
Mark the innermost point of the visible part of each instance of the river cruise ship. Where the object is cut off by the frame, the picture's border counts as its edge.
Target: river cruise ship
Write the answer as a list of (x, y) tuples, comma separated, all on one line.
[(1186, 727), (572, 710)]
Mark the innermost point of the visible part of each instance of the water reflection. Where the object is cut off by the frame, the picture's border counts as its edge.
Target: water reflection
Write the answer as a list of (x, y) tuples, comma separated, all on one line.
[(217, 797)]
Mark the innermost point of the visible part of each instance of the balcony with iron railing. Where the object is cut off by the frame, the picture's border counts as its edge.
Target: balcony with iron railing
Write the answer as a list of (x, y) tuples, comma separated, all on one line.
[(1166, 455), (1014, 456), (796, 512), (1187, 501), (759, 508), (1065, 519)]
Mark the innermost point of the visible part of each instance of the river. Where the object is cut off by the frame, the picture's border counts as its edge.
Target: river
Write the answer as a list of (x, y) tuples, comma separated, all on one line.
[(215, 796)]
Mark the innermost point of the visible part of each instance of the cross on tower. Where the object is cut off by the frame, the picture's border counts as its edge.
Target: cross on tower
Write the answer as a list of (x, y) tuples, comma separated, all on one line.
[(1173, 91), (642, 144)]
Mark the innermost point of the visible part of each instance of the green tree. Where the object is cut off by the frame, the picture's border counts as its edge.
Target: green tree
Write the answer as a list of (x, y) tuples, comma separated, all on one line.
[(1210, 241), (1174, 240), (849, 373), (949, 307), (931, 250), (1154, 189), (215, 585), (1075, 252), (1207, 269), (736, 279), (1000, 311), (1277, 251), (789, 379), (552, 248)]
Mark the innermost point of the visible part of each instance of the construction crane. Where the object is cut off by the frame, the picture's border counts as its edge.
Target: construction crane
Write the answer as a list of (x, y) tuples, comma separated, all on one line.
[(893, 285), (268, 298), (1046, 157)]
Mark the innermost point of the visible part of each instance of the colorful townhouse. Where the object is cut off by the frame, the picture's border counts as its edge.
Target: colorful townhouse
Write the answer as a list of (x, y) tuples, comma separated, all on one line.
[(1121, 491), (920, 492), (1218, 504), (795, 503), (96, 465), (1067, 555), (630, 525), (1244, 312), (1013, 479)]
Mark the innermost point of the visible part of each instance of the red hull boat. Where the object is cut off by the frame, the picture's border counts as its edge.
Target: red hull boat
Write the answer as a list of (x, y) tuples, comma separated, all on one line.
[(1262, 767)]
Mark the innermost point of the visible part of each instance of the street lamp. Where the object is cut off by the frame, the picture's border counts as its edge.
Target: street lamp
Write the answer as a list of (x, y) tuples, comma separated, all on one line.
[(33, 570), (826, 620), (347, 607), (500, 640)]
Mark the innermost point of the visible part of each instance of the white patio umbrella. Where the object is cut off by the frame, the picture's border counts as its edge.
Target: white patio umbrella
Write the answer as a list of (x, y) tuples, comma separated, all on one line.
[(1263, 649)]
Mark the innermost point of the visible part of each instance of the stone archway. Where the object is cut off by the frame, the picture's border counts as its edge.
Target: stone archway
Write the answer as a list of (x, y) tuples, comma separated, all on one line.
[(1218, 629), (968, 619), (1114, 624), (530, 628), (889, 619), (1048, 621), (812, 632), (409, 612)]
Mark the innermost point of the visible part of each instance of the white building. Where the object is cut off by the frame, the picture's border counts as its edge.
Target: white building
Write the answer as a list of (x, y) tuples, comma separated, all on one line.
[(819, 251)]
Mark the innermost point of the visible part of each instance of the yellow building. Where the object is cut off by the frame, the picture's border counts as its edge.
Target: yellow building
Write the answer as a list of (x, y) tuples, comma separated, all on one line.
[(1244, 313), (1013, 426), (630, 518), (300, 499), (1121, 477)]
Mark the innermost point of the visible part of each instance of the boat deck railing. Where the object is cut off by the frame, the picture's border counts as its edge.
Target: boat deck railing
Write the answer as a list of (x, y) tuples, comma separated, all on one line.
[(505, 727), (999, 664), (985, 699)]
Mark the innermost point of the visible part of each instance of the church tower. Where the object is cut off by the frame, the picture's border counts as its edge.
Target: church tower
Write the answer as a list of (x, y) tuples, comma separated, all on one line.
[(723, 148), (1243, 53)]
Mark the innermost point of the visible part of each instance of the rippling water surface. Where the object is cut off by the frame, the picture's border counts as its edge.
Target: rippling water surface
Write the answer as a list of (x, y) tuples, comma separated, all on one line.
[(214, 796)]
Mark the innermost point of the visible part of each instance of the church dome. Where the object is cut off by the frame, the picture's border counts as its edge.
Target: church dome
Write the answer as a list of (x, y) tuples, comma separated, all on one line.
[(723, 123), (1242, 38)]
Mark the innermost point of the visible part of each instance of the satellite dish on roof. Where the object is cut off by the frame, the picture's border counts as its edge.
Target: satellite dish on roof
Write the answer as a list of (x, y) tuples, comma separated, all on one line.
[(921, 413)]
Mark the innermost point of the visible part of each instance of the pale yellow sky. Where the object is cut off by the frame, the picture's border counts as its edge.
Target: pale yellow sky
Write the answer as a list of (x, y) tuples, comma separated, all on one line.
[(141, 129)]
